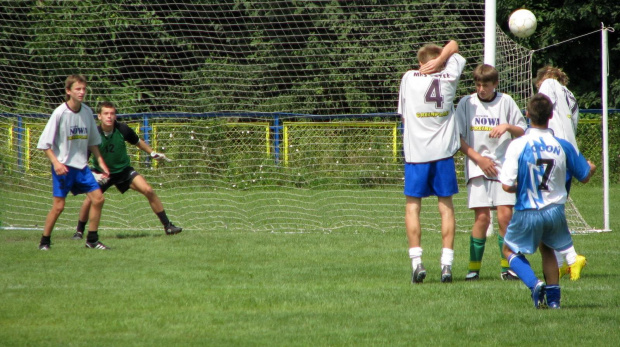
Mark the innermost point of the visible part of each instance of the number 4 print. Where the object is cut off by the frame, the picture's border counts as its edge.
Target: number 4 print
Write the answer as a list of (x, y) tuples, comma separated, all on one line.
[(433, 94)]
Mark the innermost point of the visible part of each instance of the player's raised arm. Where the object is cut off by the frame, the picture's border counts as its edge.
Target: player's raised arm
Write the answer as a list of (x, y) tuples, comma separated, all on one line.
[(437, 64)]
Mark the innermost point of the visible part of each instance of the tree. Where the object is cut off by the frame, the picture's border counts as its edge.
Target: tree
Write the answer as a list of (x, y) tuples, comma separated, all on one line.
[(580, 58)]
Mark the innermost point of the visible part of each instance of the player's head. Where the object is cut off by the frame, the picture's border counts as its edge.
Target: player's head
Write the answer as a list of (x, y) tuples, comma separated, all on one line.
[(75, 87), (428, 52), (539, 109), (106, 112), (486, 79), (549, 71), (486, 73)]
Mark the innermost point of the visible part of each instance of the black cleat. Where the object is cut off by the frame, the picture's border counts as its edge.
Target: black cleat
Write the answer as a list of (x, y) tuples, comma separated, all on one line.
[(472, 276), (509, 275), (446, 274), (97, 245), (171, 229), (44, 247), (78, 235), (419, 274)]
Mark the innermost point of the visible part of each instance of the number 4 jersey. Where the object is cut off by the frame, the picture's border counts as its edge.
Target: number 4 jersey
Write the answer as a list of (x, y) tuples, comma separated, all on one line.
[(426, 105), (538, 162)]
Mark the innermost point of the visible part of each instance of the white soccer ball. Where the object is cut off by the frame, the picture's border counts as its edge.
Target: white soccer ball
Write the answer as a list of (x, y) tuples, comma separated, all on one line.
[(522, 23)]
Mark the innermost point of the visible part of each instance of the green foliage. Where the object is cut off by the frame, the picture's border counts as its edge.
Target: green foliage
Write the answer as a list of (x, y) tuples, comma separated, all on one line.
[(560, 21)]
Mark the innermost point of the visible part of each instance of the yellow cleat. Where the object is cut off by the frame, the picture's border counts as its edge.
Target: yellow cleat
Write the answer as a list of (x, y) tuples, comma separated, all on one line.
[(577, 267), (564, 270)]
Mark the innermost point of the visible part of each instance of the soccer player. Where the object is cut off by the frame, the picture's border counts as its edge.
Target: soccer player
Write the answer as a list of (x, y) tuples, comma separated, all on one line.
[(552, 82), (488, 121), (535, 169), (67, 137), (430, 140), (114, 135)]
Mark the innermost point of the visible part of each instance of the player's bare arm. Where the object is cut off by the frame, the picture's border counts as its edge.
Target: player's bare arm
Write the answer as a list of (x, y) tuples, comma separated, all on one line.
[(592, 171), (509, 189), (95, 151), (59, 168), (486, 164), (501, 129), (437, 64)]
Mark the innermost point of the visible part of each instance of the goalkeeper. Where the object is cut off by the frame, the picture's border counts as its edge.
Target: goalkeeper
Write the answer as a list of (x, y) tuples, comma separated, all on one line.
[(113, 137)]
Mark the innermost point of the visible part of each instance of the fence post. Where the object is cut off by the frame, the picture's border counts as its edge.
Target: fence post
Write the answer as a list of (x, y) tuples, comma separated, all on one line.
[(276, 137)]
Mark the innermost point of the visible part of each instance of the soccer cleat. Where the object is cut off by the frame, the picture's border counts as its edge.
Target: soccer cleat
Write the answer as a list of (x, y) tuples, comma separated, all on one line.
[(419, 274), (564, 270), (446, 274), (553, 305), (509, 275), (577, 267), (78, 235), (538, 295), (171, 229), (44, 247), (472, 276), (97, 245)]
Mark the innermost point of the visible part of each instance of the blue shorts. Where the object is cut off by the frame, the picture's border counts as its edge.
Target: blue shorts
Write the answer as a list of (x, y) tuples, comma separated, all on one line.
[(76, 181), (528, 228), (434, 178)]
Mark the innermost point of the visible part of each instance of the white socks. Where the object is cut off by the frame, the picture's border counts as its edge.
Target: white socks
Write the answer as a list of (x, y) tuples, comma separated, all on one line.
[(570, 254), (447, 256), (415, 253)]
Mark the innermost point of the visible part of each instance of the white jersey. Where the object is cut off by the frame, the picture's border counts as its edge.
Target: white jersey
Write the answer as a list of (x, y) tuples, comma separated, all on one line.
[(538, 163), (565, 110), (426, 105), (476, 119), (69, 134)]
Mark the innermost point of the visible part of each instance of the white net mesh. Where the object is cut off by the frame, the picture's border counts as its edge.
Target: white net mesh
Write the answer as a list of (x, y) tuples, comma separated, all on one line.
[(278, 115)]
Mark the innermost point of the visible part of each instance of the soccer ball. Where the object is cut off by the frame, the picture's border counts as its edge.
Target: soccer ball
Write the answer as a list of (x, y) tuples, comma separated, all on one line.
[(522, 23)]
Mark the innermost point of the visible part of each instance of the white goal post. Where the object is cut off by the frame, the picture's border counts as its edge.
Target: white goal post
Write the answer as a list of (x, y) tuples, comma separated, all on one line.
[(278, 116)]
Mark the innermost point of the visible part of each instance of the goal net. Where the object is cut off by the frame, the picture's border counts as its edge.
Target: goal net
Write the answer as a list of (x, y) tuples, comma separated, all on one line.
[(279, 116)]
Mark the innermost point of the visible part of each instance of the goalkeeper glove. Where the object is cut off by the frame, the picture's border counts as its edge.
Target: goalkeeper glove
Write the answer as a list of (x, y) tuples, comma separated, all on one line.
[(159, 156)]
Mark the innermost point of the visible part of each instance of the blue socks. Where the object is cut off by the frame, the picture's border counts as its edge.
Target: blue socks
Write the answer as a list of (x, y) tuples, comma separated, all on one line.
[(523, 269)]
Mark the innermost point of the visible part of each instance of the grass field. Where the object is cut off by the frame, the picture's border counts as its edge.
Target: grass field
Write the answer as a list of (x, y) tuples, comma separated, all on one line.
[(344, 288)]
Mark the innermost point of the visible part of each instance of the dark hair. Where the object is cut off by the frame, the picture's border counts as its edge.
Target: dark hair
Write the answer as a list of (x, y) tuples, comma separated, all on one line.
[(106, 104), (485, 73), (540, 109)]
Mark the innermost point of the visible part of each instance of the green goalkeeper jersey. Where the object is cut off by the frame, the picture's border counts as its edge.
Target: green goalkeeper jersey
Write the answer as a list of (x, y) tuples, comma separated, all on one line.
[(113, 148)]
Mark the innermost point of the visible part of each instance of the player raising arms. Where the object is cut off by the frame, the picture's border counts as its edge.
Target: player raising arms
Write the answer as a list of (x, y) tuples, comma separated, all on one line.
[(535, 169), (430, 140), (114, 135), (69, 134), (552, 82), (488, 120)]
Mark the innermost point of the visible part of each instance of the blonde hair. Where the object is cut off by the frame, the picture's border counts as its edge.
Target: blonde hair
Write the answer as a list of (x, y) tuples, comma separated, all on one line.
[(549, 71), (428, 52), (72, 79)]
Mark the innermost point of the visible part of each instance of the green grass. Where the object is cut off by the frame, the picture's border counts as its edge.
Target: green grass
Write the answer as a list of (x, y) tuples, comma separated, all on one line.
[(344, 288)]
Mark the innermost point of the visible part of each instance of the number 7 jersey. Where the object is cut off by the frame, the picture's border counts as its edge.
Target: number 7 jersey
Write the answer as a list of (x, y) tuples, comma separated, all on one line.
[(426, 105), (538, 162)]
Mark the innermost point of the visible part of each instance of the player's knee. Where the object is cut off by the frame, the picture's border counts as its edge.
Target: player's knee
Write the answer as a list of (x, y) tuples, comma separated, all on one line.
[(149, 193), (97, 200)]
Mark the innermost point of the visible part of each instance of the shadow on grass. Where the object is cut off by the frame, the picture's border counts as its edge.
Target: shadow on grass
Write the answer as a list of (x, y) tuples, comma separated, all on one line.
[(135, 236)]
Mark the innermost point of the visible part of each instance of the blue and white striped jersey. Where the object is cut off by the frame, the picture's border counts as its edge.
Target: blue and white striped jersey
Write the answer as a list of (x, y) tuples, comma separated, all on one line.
[(538, 162)]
